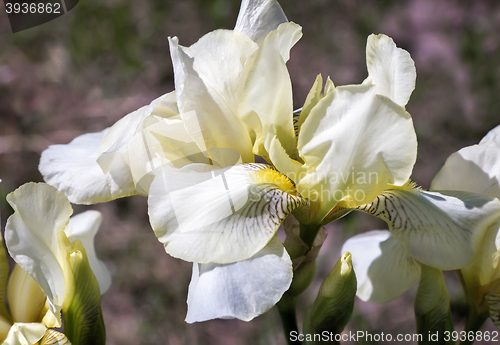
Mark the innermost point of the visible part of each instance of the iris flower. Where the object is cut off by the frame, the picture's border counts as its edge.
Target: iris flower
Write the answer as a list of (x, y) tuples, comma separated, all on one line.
[(49, 249), (461, 238), (192, 153), (218, 215), (233, 97)]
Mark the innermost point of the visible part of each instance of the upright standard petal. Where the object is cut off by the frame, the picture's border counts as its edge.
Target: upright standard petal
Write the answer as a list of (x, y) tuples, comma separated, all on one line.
[(390, 69), (474, 169), (73, 169), (161, 141), (384, 269), (259, 17), (207, 77), (492, 138), (31, 236), (267, 105), (241, 290), (354, 144), (237, 210), (313, 97), (441, 230), (84, 227)]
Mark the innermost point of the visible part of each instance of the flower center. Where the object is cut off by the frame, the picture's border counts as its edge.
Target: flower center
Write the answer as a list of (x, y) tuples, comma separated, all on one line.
[(274, 177)]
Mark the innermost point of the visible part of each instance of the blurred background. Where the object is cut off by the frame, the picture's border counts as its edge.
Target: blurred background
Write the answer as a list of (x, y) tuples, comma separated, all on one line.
[(85, 70)]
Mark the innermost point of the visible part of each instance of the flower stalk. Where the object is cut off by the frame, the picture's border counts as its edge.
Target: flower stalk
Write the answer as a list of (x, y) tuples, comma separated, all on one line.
[(287, 310)]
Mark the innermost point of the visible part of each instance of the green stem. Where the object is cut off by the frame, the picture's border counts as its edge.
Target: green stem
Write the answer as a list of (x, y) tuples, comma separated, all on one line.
[(286, 307), (475, 320), (473, 324), (308, 233)]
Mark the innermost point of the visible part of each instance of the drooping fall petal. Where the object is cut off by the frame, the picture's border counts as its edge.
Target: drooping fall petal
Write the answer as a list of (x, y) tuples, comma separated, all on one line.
[(442, 230), (241, 290), (73, 169), (206, 214), (384, 269)]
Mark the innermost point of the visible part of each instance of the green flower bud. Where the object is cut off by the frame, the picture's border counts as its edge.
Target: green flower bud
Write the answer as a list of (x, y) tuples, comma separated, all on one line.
[(432, 307), (333, 307), (84, 323)]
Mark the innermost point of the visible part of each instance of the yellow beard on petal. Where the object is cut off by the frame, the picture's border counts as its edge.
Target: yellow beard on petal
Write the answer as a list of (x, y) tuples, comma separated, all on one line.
[(274, 177), (348, 203), (408, 186)]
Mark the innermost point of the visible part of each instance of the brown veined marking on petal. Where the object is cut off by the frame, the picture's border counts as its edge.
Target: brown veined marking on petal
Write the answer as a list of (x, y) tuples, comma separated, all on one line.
[(273, 200), (295, 119), (278, 193), (409, 219), (386, 206), (52, 337), (493, 300), (399, 206)]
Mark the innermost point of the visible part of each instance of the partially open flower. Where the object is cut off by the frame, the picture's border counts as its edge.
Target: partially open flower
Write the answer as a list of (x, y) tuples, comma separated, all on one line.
[(51, 251), (455, 228)]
